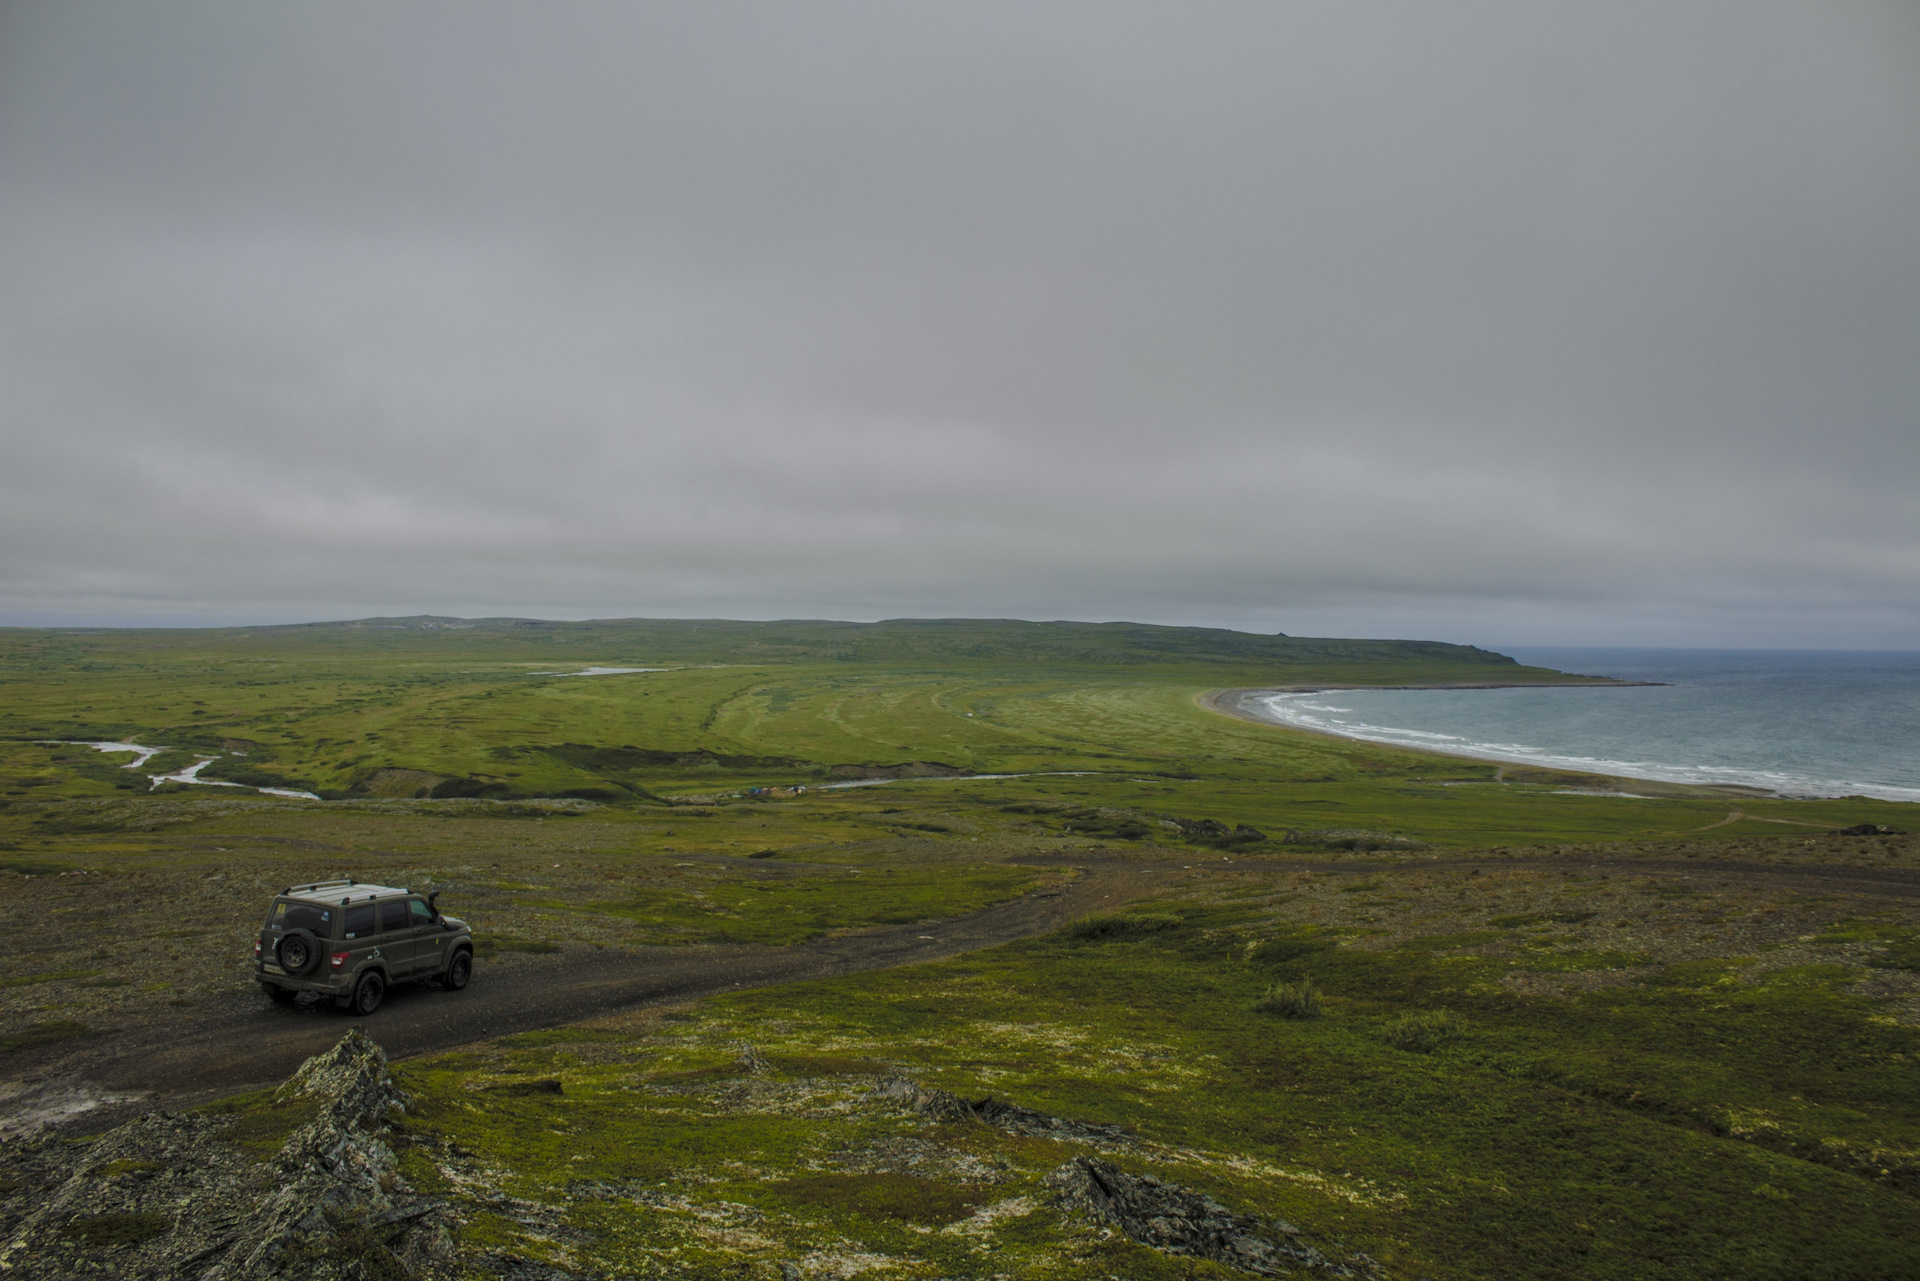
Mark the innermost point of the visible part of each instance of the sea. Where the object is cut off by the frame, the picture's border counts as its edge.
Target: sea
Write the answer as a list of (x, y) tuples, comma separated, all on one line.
[(1793, 722)]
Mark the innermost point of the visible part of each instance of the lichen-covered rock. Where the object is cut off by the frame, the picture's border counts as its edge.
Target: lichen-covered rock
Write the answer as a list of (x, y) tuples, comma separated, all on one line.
[(166, 1196), (160, 1196), (336, 1173), (941, 1105), (1180, 1221)]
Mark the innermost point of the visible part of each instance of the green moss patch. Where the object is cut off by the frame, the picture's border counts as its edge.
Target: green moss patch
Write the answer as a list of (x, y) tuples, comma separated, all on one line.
[(32, 867), (52, 976), (828, 1065), (1572, 960), (1541, 918), (904, 1197), (260, 1129), (561, 1036), (45, 1032), (1893, 947), (1452, 942), (108, 1230), (790, 910), (1099, 929), (545, 1085)]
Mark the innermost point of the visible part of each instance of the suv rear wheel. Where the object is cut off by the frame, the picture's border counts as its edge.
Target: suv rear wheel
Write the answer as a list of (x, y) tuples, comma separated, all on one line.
[(368, 992)]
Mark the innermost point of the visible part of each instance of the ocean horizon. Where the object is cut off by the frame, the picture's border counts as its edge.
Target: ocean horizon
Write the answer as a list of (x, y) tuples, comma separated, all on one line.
[(1808, 723)]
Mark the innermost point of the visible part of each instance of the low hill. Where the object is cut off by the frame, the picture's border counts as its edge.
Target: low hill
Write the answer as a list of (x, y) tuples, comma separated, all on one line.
[(904, 642)]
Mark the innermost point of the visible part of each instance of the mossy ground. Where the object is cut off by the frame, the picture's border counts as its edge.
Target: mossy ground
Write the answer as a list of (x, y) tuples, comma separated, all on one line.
[(1737, 1102)]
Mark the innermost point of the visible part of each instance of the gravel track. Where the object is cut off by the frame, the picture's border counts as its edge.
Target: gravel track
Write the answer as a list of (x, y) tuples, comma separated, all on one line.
[(245, 1041)]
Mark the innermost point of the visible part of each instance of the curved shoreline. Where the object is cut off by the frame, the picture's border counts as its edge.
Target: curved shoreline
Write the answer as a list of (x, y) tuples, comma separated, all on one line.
[(1228, 702)]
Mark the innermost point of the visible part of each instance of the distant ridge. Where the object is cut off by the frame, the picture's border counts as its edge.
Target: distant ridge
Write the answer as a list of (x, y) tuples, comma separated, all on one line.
[(901, 641)]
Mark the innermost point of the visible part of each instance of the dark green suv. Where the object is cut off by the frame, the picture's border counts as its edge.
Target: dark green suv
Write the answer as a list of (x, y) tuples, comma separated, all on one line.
[(351, 941)]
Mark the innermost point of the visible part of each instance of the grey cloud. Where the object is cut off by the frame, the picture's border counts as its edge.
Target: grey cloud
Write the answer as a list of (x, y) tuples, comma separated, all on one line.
[(1497, 322)]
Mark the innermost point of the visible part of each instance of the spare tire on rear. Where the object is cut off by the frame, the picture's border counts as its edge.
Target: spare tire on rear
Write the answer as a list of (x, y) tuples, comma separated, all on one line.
[(298, 951)]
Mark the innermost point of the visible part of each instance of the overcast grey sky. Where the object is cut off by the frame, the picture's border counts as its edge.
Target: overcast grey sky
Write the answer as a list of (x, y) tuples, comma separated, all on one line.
[(1497, 323)]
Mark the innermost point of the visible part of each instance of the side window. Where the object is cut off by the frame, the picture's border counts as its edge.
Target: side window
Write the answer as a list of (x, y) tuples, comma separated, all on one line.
[(393, 915), (360, 920), (417, 913)]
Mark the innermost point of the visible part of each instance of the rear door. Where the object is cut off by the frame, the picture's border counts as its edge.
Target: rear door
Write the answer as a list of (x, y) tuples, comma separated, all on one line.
[(359, 932), (397, 942)]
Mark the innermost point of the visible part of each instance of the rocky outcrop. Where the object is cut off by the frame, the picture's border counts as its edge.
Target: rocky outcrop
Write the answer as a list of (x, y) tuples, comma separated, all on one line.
[(1180, 1221), (1868, 829), (1161, 1215), (940, 1105), (169, 1196)]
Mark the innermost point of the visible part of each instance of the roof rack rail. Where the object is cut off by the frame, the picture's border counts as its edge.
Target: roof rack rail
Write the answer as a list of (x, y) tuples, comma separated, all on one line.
[(319, 885)]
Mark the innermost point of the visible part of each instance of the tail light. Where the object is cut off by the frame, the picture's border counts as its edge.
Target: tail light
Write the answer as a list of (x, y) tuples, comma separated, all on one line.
[(339, 959), (256, 949)]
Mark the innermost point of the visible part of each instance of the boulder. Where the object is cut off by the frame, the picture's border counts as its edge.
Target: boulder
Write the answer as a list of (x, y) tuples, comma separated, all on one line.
[(1176, 1220), (941, 1105)]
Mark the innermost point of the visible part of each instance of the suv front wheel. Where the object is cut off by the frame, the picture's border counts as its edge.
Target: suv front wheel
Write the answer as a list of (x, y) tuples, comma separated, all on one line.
[(368, 992), (459, 971)]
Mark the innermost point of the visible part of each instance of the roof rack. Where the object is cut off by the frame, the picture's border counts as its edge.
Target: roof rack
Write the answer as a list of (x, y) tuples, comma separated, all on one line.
[(319, 885)]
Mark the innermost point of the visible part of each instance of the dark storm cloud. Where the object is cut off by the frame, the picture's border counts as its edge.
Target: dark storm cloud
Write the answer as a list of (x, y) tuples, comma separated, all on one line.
[(1497, 322)]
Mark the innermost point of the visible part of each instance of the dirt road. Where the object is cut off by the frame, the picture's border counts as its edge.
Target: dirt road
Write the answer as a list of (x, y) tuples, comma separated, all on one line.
[(242, 1041)]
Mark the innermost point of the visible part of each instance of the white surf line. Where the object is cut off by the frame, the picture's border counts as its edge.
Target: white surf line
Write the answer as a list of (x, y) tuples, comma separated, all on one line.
[(1294, 708)]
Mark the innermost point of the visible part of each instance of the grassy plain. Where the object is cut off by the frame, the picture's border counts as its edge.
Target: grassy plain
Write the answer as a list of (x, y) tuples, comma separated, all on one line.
[(1532, 1060), (1092, 715)]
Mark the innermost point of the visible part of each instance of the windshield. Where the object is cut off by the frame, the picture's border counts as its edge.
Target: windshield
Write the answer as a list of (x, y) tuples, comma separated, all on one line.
[(290, 914)]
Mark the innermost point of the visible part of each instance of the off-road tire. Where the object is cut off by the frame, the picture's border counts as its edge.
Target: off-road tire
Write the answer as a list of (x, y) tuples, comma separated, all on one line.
[(299, 944), (459, 971), (280, 995), (368, 993)]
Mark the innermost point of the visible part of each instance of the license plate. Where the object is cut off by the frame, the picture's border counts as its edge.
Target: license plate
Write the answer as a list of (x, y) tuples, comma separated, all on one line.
[(274, 969)]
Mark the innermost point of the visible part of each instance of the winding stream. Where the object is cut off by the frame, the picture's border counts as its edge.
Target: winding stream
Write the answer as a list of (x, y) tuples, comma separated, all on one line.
[(191, 774)]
